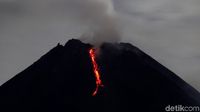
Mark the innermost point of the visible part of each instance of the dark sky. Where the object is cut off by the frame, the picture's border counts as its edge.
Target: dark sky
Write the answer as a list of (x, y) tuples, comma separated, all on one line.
[(168, 30)]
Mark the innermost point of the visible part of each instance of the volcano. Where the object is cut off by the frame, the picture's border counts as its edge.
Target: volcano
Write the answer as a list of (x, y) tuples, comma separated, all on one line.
[(63, 80)]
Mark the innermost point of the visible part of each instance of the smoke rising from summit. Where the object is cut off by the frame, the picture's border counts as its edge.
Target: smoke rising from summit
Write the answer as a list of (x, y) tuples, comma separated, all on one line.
[(102, 21)]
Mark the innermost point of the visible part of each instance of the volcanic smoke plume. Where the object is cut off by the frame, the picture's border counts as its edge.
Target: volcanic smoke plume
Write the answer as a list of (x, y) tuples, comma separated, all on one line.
[(102, 21), (70, 78)]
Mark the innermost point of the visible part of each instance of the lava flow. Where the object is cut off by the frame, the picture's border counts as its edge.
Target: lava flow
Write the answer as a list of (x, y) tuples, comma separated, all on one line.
[(96, 71)]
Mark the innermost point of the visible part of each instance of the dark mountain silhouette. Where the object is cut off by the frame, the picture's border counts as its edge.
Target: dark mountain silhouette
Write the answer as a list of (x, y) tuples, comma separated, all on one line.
[(63, 81)]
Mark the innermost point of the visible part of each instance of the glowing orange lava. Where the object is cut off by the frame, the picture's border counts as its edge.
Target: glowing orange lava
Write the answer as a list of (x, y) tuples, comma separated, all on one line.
[(96, 71)]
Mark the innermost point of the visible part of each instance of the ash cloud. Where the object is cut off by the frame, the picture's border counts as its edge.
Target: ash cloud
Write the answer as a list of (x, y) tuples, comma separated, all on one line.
[(102, 21), (98, 16)]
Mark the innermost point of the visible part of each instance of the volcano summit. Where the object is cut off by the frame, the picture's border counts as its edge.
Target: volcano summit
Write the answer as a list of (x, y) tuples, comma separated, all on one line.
[(63, 80)]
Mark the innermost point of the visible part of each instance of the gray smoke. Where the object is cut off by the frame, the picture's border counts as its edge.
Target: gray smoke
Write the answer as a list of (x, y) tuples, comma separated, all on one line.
[(102, 21), (97, 15)]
